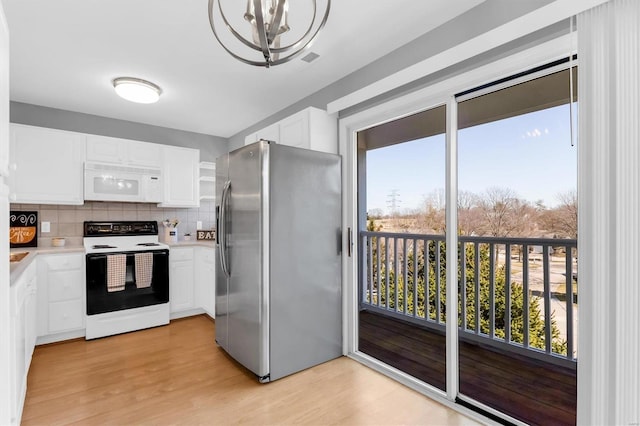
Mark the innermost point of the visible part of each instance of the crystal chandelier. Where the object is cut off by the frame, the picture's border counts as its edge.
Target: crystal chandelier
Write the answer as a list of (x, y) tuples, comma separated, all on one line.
[(268, 21)]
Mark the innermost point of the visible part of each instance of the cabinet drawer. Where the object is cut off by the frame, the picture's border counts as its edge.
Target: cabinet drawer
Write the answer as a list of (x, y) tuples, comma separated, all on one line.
[(65, 315), (65, 285), (60, 263), (177, 255)]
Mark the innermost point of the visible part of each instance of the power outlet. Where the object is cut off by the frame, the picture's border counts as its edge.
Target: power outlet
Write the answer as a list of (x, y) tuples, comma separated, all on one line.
[(199, 224), (45, 227)]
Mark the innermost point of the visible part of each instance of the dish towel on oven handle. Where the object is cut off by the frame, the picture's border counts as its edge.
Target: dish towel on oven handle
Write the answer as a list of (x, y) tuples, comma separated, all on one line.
[(144, 269), (116, 272)]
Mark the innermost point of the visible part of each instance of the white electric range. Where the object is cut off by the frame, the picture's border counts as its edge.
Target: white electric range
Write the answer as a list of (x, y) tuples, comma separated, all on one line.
[(127, 271)]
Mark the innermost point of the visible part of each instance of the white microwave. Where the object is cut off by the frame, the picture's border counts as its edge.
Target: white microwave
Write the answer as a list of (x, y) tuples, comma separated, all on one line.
[(112, 182)]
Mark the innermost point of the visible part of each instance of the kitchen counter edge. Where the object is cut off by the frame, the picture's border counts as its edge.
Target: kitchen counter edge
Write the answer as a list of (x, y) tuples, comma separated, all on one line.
[(17, 268), (196, 243)]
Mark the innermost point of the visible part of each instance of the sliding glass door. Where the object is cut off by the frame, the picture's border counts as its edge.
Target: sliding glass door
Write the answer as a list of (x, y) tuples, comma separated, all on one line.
[(402, 244), (512, 162), (517, 227)]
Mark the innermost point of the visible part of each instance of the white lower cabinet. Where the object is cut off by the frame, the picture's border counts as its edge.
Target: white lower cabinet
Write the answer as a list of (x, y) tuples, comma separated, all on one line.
[(181, 294), (23, 318), (61, 296), (192, 281), (205, 279)]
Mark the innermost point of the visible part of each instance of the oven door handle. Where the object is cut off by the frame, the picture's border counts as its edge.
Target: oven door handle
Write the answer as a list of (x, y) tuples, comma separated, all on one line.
[(222, 237)]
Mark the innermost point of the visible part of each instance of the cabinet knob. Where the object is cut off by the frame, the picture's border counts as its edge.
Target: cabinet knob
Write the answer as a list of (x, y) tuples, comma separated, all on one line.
[(13, 166)]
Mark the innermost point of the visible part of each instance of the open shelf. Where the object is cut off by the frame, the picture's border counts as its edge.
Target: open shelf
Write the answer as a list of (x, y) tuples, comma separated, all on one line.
[(207, 181)]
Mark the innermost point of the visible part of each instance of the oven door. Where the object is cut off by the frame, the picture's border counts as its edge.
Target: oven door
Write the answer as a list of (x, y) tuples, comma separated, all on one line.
[(100, 300)]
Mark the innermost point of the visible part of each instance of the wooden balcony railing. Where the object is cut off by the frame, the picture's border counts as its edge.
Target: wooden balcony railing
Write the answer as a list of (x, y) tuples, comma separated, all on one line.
[(518, 294)]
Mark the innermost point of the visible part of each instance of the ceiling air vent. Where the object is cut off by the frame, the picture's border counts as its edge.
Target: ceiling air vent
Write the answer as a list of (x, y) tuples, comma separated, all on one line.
[(310, 57)]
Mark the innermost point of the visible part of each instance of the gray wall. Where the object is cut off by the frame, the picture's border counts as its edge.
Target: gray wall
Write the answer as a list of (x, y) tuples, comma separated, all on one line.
[(210, 146), (484, 17)]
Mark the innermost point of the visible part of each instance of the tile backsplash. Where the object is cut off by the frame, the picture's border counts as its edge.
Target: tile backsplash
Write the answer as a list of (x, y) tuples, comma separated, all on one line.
[(67, 221)]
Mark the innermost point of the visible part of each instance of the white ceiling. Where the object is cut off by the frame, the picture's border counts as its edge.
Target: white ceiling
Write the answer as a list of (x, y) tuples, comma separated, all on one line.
[(65, 53)]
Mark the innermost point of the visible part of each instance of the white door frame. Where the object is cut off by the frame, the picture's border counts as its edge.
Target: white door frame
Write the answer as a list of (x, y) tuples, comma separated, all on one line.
[(420, 100)]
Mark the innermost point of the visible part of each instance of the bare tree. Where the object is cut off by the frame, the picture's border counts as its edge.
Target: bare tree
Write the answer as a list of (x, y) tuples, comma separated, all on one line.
[(431, 217), (469, 213), (504, 214), (563, 219), (375, 213)]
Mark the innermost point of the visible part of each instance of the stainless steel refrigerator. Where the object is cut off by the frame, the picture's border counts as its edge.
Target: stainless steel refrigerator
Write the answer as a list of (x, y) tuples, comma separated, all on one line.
[(278, 279)]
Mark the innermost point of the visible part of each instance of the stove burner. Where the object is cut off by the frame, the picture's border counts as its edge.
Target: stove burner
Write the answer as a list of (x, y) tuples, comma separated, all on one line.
[(147, 244), (102, 246)]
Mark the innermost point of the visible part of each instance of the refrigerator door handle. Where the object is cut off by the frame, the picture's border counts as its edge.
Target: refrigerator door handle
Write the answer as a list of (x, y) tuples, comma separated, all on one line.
[(222, 251)]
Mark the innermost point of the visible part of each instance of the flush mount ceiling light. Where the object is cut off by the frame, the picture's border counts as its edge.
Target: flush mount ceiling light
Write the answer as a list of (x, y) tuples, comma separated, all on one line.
[(137, 90), (259, 40)]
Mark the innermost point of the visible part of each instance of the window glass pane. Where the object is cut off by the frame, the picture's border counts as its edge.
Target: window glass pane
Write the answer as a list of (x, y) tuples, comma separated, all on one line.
[(517, 221), (402, 280)]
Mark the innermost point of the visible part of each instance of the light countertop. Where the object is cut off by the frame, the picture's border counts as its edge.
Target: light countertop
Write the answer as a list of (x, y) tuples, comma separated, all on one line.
[(17, 268)]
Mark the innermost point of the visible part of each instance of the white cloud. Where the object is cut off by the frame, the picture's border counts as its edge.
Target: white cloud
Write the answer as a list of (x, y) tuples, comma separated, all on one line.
[(535, 133)]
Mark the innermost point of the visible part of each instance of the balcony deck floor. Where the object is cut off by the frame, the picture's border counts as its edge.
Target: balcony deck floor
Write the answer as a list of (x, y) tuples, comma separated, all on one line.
[(530, 390)]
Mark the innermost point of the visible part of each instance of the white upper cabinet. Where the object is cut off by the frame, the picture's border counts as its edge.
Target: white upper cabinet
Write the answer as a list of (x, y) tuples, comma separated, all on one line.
[(249, 139), (311, 128), (294, 130), (181, 175), (123, 151), (270, 133), (4, 98), (46, 166)]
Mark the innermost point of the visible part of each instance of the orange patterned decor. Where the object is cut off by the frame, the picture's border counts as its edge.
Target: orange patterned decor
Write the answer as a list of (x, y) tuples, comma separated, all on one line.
[(23, 229)]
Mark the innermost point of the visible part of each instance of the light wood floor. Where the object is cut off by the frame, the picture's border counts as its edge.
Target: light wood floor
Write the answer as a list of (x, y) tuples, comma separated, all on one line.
[(176, 375)]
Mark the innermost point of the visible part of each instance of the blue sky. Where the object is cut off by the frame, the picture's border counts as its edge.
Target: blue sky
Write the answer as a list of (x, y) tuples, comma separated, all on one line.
[(530, 154)]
